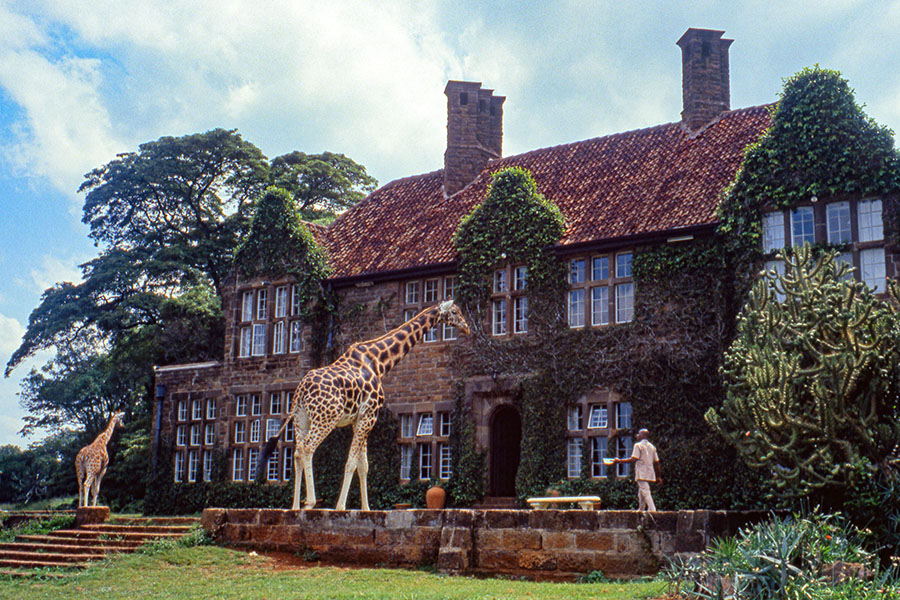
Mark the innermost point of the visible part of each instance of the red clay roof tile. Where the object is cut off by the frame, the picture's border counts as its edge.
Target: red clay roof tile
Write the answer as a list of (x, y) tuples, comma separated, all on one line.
[(627, 184)]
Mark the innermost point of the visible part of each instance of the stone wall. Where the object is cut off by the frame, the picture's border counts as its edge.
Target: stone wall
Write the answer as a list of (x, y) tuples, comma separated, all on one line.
[(539, 544)]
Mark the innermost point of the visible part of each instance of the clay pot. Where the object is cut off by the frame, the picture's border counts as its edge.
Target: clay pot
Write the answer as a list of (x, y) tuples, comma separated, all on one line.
[(553, 493), (435, 497), (402, 505)]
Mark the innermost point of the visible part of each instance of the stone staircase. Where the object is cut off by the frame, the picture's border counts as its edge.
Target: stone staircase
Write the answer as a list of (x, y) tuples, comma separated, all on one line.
[(67, 549)]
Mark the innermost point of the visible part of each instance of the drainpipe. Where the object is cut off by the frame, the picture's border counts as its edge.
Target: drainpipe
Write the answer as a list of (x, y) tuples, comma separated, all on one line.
[(160, 398)]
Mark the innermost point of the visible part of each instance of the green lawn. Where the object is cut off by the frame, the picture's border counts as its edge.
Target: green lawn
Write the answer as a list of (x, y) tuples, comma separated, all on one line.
[(212, 572)]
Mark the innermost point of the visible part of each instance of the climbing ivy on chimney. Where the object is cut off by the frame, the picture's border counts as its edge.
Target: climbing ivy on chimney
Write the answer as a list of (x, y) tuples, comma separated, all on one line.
[(821, 144)]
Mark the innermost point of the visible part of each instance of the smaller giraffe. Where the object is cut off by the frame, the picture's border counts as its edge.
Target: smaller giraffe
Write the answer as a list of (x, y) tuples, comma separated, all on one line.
[(91, 463)]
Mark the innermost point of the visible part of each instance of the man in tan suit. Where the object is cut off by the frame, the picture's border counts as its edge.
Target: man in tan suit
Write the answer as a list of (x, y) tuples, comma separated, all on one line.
[(646, 470)]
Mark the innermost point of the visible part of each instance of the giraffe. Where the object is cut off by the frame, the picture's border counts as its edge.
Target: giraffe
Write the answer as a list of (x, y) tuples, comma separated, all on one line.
[(91, 462), (348, 392)]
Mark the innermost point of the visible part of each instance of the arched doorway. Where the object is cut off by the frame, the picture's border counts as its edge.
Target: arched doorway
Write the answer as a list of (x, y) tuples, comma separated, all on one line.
[(506, 440)]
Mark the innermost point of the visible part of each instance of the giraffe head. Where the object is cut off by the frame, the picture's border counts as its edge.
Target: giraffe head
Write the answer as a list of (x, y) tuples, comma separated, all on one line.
[(450, 313), (118, 419)]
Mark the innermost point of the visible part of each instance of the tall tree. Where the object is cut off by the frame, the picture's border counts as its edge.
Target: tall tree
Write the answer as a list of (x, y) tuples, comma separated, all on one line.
[(321, 185), (167, 219), (185, 201)]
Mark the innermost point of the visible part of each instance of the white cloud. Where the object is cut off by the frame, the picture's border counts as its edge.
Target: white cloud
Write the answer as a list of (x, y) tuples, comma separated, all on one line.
[(356, 77), (66, 129), (17, 31), (11, 332), (11, 413), (54, 270)]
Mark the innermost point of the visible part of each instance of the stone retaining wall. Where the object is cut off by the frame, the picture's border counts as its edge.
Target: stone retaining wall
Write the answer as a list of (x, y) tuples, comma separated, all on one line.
[(540, 544)]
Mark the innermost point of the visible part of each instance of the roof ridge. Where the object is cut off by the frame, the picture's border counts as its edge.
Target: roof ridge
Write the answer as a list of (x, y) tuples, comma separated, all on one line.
[(630, 132), (617, 134)]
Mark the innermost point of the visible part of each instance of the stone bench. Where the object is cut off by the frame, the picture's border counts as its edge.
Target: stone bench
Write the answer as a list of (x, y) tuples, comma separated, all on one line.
[(584, 502)]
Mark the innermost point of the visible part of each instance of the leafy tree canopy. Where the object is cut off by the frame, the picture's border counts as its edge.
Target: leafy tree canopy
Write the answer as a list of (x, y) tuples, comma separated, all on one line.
[(821, 143), (812, 380), (321, 185), (184, 200), (167, 220)]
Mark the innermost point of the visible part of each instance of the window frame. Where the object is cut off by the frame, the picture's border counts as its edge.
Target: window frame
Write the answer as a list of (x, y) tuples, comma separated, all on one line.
[(281, 301), (237, 466), (262, 304), (426, 461), (411, 295), (425, 426)]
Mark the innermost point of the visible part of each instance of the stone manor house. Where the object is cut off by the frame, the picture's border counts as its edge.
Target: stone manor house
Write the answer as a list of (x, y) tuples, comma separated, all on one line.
[(658, 185)]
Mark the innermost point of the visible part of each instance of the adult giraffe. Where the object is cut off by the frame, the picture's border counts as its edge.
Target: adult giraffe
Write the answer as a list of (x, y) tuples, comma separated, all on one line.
[(91, 463), (349, 392)]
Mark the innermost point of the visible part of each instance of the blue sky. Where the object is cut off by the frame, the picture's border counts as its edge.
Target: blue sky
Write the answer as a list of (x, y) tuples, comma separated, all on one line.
[(80, 82)]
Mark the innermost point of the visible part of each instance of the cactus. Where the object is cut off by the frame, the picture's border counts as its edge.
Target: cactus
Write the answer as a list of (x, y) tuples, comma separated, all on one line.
[(811, 379)]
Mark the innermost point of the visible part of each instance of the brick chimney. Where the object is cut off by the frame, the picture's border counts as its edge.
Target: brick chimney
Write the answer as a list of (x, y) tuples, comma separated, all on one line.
[(704, 76), (474, 132)]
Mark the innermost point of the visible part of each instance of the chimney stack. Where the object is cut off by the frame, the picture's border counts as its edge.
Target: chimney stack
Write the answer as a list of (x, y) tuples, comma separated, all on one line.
[(704, 76), (474, 132)]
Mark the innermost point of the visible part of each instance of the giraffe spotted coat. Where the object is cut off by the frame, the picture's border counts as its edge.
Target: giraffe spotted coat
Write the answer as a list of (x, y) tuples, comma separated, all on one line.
[(348, 392), (91, 463)]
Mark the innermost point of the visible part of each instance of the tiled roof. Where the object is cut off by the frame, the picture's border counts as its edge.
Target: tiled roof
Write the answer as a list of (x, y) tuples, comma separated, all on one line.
[(319, 232), (626, 184)]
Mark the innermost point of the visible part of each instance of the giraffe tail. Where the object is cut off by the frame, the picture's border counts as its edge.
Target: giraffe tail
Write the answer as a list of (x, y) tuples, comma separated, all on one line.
[(269, 447)]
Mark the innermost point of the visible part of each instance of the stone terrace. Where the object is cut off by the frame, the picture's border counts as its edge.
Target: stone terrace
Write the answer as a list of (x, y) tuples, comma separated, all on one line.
[(539, 544)]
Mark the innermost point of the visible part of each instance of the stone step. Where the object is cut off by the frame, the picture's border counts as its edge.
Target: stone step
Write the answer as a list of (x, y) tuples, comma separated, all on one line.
[(38, 564), (27, 556), (83, 548), (149, 529), (119, 545), (144, 521), (120, 536), (12, 572), (75, 548)]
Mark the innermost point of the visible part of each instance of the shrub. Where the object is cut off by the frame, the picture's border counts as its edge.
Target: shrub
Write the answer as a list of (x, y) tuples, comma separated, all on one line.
[(812, 556)]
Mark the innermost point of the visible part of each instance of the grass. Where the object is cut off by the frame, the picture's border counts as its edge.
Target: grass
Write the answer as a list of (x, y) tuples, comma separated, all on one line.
[(181, 572), (37, 526), (47, 504)]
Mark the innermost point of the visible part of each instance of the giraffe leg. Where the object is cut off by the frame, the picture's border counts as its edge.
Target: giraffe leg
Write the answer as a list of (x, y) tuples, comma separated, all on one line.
[(310, 442), (357, 449), (95, 488), (88, 484), (301, 429), (362, 468), (349, 468), (79, 475), (298, 475), (310, 484)]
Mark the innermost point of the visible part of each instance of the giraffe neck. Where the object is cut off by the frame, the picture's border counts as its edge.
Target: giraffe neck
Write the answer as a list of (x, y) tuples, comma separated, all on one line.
[(387, 350), (103, 438)]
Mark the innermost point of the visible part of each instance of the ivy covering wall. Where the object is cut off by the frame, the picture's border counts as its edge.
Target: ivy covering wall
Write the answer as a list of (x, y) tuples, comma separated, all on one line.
[(280, 244), (821, 144), (665, 362), (164, 497)]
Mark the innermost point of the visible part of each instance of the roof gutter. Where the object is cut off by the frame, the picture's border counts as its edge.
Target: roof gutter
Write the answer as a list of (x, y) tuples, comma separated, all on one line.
[(677, 234)]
